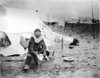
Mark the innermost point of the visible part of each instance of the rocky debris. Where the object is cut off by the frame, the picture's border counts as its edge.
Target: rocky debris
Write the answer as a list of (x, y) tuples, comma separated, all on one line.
[(11, 68), (83, 73), (96, 74), (82, 66)]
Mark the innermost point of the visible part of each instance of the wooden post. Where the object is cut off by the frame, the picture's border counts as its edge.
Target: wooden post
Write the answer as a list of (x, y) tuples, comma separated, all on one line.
[(93, 28), (62, 43)]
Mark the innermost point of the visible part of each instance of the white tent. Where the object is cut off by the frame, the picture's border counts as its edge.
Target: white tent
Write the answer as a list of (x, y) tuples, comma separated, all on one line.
[(15, 47), (20, 22)]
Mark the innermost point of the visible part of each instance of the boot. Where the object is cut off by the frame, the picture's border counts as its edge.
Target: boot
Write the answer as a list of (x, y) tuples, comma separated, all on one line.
[(26, 68)]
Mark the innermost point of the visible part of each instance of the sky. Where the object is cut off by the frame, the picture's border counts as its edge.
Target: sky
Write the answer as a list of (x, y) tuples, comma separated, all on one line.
[(20, 15), (19, 20), (69, 8)]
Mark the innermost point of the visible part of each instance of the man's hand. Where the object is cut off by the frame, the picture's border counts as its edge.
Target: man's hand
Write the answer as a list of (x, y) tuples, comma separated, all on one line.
[(35, 52)]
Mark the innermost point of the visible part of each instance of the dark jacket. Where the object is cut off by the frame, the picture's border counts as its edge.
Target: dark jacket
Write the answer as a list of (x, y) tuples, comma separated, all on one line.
[(33, 46)]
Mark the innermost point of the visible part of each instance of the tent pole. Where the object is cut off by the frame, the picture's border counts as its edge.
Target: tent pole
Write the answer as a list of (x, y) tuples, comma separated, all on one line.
[(93, 21), (62, 44)]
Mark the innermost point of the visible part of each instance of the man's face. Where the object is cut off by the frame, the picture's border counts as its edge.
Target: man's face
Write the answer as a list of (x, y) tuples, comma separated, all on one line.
[(37, 34)]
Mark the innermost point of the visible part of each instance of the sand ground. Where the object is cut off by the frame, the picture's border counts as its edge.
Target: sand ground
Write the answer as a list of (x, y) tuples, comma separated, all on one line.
[(86, 62)]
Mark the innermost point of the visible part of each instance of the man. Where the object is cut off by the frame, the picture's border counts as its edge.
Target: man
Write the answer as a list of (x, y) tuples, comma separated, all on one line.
[(36, 46)]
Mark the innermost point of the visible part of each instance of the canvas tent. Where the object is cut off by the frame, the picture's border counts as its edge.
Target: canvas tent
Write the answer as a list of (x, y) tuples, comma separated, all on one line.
[(4, 40), (22, 22), (19, 22)]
